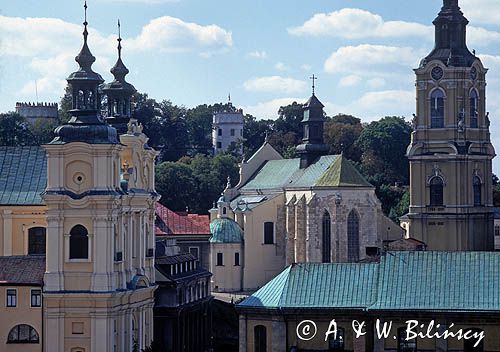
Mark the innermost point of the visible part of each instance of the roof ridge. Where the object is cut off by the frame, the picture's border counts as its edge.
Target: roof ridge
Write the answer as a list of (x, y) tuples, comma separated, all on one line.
[(285, 283)]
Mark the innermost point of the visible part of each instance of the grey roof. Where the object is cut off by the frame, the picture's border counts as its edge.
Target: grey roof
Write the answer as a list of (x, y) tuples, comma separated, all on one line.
[(22, 270), (23, 175)]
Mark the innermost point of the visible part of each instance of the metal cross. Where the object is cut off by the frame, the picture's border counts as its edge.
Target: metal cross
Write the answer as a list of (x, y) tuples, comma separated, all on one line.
[(85, 7), (313, 78), (119, 30)]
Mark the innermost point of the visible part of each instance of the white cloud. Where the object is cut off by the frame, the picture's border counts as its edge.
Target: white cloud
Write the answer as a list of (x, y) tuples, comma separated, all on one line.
[(280, 66), (258, 54), (370, 59), (275, 84), (170, 34), (269, 109), (372, 106), (481, 11), (350, 81), (51, 44), (306, 67), (354, 23)]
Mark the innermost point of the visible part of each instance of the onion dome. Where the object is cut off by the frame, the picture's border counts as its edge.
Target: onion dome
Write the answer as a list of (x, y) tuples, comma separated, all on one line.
[(86, 124), (119, 93)]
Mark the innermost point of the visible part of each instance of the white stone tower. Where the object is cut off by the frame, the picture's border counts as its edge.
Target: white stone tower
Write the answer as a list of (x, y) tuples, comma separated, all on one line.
[(227, 129)]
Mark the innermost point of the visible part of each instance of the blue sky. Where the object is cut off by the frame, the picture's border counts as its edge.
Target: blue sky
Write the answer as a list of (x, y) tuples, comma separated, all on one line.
[(260, 51)]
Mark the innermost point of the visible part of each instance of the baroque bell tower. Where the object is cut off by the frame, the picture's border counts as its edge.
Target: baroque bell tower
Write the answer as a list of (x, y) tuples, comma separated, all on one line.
[(450, 152)]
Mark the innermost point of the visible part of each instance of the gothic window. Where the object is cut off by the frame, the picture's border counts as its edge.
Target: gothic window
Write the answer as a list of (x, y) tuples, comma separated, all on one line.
[(260, 338), (476, 185), (437, 109), (327, 238), (236, 259), (269, 233), (469, 344), (36, 241), (403, 345), (23, 334), (78, 243), (473, 108), (436, 190), (353, 236), (336, 343)]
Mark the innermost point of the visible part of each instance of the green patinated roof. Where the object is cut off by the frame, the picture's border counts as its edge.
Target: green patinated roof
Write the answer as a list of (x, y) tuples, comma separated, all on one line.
[(310, 286), (426, 281), (328, 171), (23, 175), (225, 231), (342, 174)]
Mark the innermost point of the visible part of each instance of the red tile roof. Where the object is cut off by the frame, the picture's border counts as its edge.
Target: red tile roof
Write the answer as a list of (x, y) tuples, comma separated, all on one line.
[(169, 222), (22, 270)]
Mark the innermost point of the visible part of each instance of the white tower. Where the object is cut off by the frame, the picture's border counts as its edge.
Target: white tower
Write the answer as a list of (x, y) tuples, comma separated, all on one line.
[(227, 130)]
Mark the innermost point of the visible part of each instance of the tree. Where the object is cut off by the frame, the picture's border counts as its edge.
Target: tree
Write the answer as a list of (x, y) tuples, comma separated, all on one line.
[(383, 144), (42, 131), (341, 134), (176, 185), (14, 130), (65, 105), (290, 119), (254, 133), (199, 127)]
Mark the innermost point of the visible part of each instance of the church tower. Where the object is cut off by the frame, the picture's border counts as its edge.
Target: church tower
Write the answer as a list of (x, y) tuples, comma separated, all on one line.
[(99, 279), (451, 153), (313, 145)]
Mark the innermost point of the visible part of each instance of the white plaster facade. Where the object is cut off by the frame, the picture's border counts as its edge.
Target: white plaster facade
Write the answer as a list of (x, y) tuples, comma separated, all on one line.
[(227, 129)]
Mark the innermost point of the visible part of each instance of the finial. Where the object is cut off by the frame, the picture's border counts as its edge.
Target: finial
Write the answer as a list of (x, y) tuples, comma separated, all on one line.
[(85, 23), (229, 97), (266, 140), (119, 40), (228, 186), (313, 78), (85, 8)]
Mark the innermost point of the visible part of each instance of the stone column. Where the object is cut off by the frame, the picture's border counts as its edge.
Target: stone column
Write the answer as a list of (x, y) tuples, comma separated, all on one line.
[(53, 278), (290, 230), (7, 232), (300, 230), (100, 242), (243, 334)]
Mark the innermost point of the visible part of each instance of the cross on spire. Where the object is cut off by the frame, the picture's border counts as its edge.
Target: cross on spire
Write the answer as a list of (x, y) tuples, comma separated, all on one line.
[(313, 78)]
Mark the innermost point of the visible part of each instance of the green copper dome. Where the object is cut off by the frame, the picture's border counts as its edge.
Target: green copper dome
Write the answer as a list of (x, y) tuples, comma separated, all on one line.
[(225, 231)]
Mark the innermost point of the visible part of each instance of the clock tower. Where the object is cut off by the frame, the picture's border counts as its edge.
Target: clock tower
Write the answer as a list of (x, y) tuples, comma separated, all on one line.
[(450, 152)]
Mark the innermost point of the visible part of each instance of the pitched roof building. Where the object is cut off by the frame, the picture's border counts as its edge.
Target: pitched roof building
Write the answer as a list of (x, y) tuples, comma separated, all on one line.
[(314, 208)]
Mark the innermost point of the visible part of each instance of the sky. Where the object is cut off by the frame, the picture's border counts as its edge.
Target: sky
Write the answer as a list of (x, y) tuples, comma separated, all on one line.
[(262, 52)]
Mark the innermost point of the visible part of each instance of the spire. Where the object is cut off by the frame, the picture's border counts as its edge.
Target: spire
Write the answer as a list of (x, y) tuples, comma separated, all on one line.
[(450, 37), (119, 92), (313, 145), (86, 124), (85, 58)]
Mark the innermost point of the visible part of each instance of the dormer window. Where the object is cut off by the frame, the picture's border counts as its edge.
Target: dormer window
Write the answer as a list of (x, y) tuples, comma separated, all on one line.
[(437, 109)]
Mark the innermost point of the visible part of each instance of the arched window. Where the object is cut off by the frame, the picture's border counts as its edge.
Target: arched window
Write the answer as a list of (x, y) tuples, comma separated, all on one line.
[(353, 236), (437, 109), (81, 100), (336, 343), (403, 345), (23, 334), (476, 186), (327, 238), (260, 338), (469, 344), (436, 187), (473, 101), (36, 240), (78, 243)]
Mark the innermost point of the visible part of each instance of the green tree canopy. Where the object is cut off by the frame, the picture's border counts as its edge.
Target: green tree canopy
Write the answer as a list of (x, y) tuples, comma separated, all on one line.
[(341, 134)]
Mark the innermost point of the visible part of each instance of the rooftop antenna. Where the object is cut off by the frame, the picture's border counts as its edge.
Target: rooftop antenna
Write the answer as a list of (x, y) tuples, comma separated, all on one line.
[(313, 78)]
